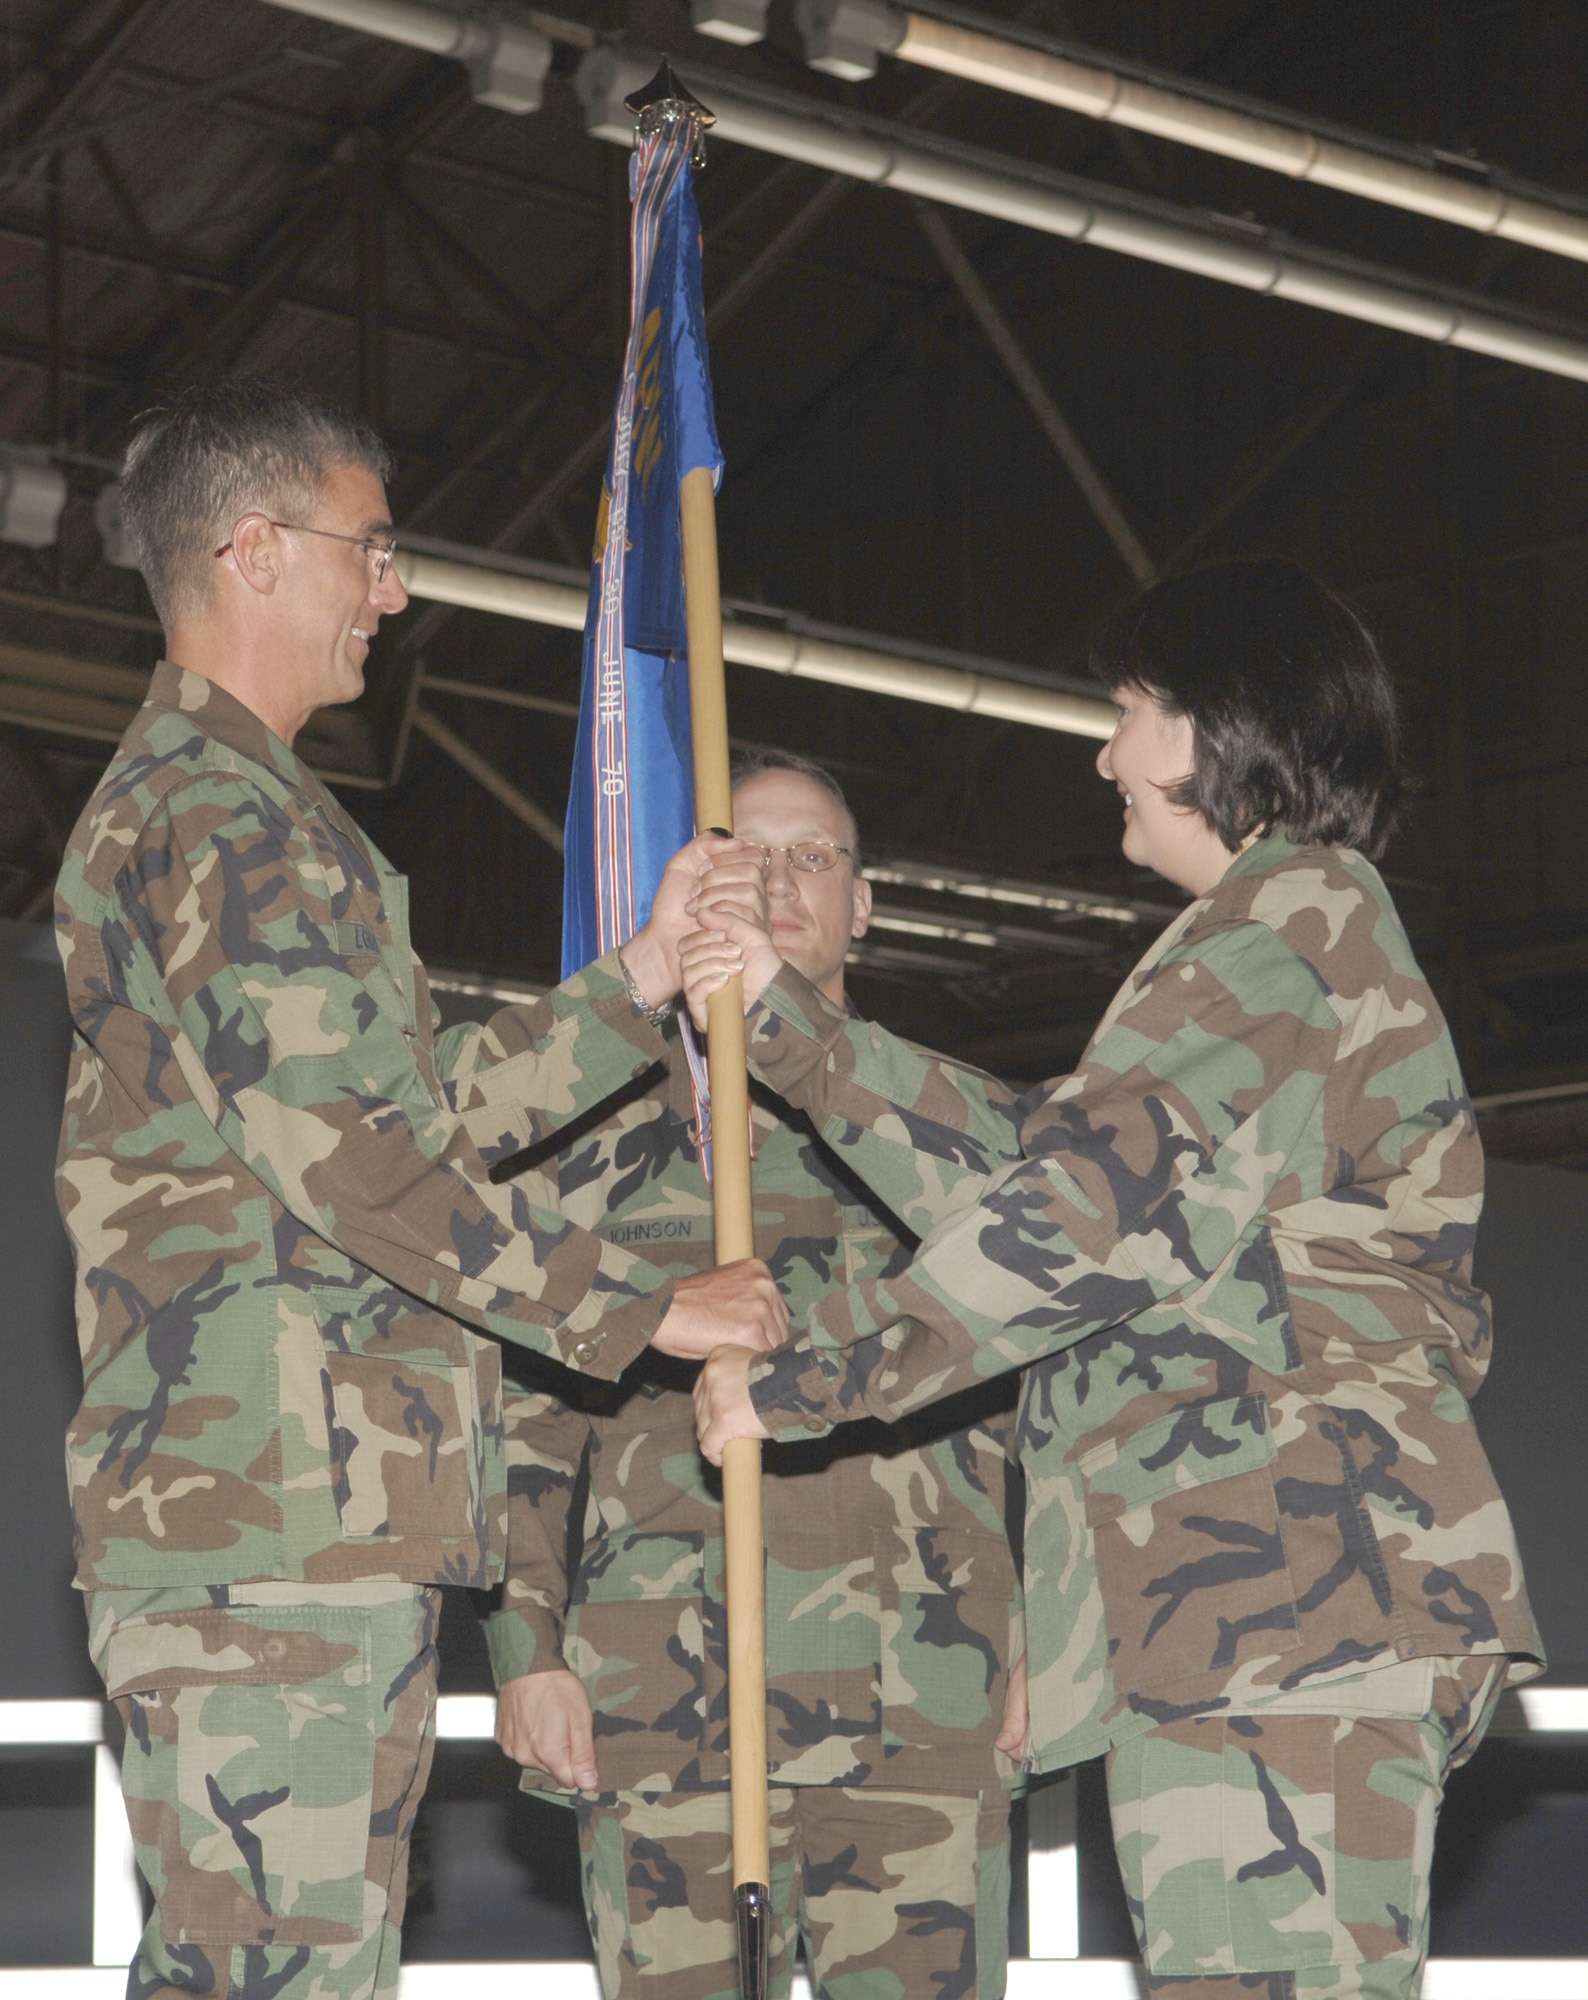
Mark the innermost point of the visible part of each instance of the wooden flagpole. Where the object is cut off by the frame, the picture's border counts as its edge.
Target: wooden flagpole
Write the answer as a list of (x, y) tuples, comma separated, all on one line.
[(665, 102), (735, 1229)]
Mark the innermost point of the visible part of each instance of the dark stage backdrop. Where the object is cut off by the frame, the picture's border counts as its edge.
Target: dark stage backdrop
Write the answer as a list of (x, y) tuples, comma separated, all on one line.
[(498, 1872)]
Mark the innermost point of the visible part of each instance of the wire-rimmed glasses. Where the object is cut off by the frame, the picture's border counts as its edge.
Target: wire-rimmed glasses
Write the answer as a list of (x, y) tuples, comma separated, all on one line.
[(810, 857), (378, 554)]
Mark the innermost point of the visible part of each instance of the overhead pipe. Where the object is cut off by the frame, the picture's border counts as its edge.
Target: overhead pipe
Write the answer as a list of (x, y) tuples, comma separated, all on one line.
[(969, 177), (506, 59), (774, 649), (845, 38)]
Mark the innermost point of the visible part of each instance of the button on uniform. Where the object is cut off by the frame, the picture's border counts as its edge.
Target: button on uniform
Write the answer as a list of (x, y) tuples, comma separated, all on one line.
[(585, 1352)]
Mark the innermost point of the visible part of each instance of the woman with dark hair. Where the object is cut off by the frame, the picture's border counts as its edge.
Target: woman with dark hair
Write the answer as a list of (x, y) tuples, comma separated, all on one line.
[(1268, 1571)]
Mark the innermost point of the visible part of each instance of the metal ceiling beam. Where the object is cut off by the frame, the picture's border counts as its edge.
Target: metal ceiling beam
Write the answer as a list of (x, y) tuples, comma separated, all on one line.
[(319, 205), (80, 68), (1279, 449), (299, 128), (590, 451), (96, 702), (485, 774), (153, 253), (1055, 426), (488, 285), (116, 256), (93, 371)]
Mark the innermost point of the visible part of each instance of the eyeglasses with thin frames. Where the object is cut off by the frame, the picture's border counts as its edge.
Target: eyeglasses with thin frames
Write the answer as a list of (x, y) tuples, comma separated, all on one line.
[(810, 857), (378, 554)]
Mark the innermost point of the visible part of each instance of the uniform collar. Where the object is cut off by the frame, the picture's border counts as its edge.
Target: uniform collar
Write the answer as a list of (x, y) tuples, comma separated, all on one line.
[(228, 720), (1266, 851)]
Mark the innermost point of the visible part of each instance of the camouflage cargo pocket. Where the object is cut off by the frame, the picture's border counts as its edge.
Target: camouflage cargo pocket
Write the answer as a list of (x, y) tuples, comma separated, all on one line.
[(636, 1638), (248, 1768), (402, 1415), (1189, 1552), (945, 1634)]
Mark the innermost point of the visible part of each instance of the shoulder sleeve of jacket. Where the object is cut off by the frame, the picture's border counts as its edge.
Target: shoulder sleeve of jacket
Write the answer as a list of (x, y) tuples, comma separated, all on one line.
[(309, 1073), (1142, 1172), (546, 1441), (922, 1132)]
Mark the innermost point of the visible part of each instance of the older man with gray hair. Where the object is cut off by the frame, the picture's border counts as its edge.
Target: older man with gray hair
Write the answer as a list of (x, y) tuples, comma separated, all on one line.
[(275, 1175)]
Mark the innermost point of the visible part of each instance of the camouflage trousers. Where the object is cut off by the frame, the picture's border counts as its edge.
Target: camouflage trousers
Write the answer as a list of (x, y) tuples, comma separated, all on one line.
[(1283, 1853), (890, 1893), (278, 1741)]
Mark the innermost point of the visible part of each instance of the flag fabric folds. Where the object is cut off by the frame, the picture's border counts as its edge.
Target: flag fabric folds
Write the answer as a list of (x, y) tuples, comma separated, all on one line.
[(631, 803)]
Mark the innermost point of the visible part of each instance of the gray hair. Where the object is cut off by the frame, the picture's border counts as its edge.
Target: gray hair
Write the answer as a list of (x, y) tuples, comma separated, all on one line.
[(216, 452), (751, 763)]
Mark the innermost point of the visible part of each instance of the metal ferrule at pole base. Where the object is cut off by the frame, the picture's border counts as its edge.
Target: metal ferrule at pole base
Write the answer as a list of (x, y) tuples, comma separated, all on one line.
[(752, 1909)]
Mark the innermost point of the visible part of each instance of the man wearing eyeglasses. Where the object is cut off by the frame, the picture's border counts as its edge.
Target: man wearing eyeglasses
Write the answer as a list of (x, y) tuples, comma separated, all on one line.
[(892, 1604), (275, 1175)]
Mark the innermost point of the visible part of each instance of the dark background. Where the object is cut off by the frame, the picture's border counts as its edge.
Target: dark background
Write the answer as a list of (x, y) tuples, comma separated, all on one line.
[(496, 1873), (189, 188)]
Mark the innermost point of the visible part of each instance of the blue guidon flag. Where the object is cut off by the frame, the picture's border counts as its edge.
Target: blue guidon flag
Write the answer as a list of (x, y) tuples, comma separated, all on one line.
[(631, 804)]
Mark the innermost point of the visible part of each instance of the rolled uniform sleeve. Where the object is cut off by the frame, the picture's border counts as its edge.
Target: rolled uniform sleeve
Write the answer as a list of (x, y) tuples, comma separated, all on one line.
[(533, 1068), (1143, 1173), (306, 1060), (546, 1442)]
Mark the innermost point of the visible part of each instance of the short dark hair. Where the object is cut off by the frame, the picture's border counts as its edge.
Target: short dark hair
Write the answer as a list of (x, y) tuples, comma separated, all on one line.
[(765, 757), (220, 450), (1292, 711)]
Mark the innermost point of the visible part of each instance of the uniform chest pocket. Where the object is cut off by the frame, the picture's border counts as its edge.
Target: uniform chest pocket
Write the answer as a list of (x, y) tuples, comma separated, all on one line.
[(1190, 1557), (403, 1416), (358, 945), (871, 1250), (946, 1600)]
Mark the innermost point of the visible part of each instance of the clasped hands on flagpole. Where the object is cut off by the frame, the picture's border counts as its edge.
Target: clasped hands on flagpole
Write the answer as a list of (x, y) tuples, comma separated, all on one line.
[(737, 1302)]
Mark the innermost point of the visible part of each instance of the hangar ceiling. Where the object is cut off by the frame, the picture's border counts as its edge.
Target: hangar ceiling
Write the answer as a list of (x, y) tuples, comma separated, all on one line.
[(189, 187)]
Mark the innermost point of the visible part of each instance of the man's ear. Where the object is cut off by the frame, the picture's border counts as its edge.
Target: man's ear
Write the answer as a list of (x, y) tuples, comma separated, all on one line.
[(862, 917), (256, 554)]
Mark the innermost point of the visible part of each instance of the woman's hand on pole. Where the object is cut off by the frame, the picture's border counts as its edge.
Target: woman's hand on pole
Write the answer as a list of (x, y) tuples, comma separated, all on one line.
[(651, 955), (723, 1410), (734, 935)]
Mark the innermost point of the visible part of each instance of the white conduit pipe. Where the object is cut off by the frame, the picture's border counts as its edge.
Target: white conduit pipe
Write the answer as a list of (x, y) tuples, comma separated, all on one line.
[(506, 60), (775, 651), (1098, 92), (1064, 206)]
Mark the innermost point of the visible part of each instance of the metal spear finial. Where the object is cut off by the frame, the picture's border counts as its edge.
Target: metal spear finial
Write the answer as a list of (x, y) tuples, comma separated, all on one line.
[(665, 101)]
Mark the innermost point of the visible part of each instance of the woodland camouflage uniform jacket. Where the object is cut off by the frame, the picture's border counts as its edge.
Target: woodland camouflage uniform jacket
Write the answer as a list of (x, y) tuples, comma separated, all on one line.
[(1235, 1266), (892, 1599), (274, 1175)]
